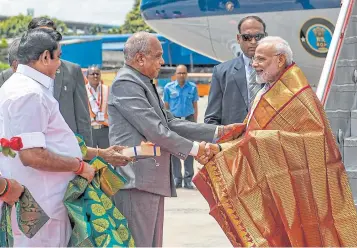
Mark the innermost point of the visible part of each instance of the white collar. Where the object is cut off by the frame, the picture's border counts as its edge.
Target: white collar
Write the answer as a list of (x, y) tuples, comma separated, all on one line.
[(247, 61), (39, 77), (98, 87)]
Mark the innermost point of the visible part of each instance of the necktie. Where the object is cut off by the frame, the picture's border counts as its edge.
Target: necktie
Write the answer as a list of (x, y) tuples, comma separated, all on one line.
[(253, 86), (158, 98)]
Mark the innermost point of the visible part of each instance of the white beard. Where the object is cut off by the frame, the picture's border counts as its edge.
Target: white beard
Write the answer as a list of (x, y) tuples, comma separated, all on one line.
[(259, 80)]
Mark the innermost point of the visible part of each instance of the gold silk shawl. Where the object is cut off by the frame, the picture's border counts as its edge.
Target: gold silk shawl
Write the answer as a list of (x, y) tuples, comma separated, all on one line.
[(282, 182)]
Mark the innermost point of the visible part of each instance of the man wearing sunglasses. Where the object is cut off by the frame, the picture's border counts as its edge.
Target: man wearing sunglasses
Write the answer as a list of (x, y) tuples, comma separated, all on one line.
[(233, 86)]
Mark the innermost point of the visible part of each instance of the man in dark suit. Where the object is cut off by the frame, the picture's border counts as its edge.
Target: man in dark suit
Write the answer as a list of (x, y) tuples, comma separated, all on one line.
[(4, 75), (233, 85)]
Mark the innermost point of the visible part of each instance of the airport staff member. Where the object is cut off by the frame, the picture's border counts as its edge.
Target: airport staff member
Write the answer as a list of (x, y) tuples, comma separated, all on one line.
[(98, 105), (180, 97)]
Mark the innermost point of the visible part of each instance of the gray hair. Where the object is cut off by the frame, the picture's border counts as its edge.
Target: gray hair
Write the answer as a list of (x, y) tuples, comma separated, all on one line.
[(92, 67), (281, 46), (137, 43), (13, 49), (35, 42)]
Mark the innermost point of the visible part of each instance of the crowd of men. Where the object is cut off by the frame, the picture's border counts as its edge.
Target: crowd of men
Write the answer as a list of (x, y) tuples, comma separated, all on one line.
[(45, 101)]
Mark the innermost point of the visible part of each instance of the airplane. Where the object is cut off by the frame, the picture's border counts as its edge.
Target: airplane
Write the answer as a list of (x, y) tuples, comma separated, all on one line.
[(210, 26)]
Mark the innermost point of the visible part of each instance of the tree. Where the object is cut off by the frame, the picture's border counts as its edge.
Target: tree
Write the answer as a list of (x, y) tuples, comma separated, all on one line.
[(16, 25), (3, 43), (134, 22), (95, 29)]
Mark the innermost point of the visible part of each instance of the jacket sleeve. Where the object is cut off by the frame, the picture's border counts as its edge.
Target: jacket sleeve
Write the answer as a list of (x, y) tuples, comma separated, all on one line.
[(131, 101), (213, 113), (191, 130), (81, 110)]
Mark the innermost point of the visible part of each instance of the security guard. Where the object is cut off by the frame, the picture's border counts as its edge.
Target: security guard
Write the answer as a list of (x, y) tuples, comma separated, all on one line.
[(180, 97)]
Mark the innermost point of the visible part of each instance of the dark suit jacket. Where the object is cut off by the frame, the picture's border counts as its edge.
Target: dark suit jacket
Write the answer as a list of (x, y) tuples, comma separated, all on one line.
[(228, 97), (70, 92), (4, 75)]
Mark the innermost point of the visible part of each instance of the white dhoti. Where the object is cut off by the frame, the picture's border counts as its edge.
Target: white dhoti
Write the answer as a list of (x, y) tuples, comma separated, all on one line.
[(55, 233)]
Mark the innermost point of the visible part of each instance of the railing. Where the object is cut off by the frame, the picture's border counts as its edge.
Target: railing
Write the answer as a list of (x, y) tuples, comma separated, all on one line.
[(328, 72)]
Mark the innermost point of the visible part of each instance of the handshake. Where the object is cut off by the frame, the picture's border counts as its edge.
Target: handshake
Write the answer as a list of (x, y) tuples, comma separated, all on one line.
[(206, 151)]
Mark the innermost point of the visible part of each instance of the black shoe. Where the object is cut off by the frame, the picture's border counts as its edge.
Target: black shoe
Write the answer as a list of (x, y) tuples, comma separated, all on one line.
[(189, 186), (178, 184)]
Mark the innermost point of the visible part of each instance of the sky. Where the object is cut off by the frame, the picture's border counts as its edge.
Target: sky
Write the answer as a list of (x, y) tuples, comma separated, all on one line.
[(93, 11)]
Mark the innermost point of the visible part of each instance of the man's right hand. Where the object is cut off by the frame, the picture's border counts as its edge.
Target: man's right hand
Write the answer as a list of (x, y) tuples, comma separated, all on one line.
[(88, 172), (14, 193), (206, 152)]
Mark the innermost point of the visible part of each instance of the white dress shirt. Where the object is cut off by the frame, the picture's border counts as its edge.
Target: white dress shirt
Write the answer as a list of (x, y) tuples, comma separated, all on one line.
[(29, 110), (248, 68)]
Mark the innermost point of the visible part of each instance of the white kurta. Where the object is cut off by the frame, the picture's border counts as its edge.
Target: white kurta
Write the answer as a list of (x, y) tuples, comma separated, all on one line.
[(29, 110)]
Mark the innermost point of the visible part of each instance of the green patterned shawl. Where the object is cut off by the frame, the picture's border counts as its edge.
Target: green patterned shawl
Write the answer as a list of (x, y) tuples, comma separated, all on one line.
[(96, 221)]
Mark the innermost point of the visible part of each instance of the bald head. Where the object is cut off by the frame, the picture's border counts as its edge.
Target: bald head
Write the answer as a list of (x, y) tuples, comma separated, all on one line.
[(181, 74), (143, 51), (137, 43)]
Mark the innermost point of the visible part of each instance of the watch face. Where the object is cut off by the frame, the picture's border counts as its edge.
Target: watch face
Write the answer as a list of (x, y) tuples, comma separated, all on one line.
[(316, 36)]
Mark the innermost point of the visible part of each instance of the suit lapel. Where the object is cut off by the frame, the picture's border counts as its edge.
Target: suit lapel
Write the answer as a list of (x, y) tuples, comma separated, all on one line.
[(161, 106), (240, 78), (58, 83)]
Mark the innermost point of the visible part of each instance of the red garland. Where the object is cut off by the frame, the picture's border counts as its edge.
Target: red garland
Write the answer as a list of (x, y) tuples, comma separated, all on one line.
[(14, 143)]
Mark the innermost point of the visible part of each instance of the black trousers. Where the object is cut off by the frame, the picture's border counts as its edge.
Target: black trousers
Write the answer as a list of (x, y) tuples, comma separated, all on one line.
[(188, 164), (100, 137)]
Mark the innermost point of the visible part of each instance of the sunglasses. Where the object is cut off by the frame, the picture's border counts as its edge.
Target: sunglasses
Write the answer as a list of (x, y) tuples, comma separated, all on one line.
[(249, 37), (94, 73)]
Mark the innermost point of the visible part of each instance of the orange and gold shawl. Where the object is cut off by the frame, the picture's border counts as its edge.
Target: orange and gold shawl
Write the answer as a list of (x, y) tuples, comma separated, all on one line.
[(282, 182)]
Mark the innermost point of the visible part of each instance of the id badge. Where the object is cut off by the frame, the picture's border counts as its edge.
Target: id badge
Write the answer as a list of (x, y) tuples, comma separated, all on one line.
[(100, 116)]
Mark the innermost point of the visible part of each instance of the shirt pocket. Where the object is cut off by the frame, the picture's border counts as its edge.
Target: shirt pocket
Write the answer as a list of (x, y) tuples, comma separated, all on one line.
[(174, 95), (189, 95)]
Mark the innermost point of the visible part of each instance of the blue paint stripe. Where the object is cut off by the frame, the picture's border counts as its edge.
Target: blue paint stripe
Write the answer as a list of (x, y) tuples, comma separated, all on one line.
[(173, 9)]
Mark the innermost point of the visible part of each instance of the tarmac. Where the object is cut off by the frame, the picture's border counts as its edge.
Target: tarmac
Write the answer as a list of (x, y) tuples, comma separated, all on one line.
[(187, 220)]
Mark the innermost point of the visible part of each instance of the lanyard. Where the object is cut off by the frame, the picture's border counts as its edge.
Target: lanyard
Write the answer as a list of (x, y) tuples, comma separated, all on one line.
[(99, 100)]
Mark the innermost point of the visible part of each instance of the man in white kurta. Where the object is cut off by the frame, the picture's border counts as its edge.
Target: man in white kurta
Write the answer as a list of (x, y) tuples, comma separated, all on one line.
[(29, 110)]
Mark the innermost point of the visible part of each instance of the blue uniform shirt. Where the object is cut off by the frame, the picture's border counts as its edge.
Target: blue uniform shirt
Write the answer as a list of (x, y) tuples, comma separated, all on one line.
[(180, 99)]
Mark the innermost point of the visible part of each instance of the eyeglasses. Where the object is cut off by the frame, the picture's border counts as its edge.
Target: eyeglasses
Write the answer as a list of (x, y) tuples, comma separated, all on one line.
[(94, 73), (260, 60), (249, 37)]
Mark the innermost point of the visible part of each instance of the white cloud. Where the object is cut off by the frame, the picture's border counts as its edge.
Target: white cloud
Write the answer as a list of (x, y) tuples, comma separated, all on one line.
[(94, 11)]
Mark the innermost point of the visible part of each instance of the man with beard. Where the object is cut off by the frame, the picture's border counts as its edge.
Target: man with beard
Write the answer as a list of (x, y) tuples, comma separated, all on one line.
[(280, 180)]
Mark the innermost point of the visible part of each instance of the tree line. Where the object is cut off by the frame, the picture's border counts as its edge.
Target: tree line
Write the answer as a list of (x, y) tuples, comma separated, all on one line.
[(15, 26)]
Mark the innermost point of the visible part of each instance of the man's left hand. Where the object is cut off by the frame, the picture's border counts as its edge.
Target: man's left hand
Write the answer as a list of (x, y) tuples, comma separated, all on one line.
[(224, 130), (114, 156)]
